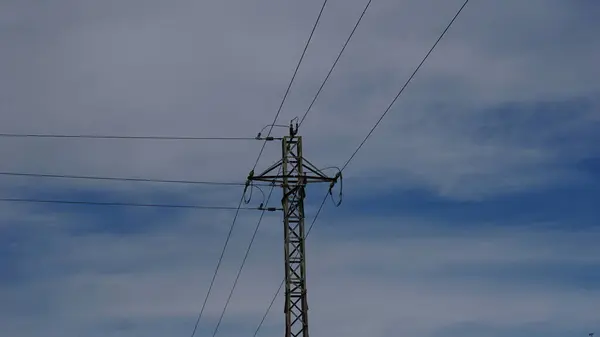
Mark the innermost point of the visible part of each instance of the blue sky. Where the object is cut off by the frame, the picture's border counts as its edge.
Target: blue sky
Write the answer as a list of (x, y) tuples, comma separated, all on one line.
[(470, 212)]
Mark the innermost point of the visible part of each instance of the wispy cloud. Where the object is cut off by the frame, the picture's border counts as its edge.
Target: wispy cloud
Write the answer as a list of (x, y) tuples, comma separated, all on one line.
[(483, 172), (192, 69), (429, 280)]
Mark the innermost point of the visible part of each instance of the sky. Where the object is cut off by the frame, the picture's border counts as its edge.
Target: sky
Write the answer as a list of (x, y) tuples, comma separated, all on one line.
[(469, 212)]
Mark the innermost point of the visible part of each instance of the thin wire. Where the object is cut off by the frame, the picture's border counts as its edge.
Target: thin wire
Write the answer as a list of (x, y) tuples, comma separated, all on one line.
[(261, 152), (243, 263), (407, 82), (272, 125), (262, 321), (345, 165), (31, 135), (252, 187), (336, 61), (283, 281), (124, 204), (67, 176), (221, 259), (265, 142), (287, 91), (237, 212)]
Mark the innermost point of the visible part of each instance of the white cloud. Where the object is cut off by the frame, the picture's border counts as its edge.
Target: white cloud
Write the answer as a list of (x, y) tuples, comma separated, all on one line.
[(221, 69), (368, 285)]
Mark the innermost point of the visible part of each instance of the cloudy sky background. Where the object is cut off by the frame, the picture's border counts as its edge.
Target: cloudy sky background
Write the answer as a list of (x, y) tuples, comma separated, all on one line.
[(470, 212)]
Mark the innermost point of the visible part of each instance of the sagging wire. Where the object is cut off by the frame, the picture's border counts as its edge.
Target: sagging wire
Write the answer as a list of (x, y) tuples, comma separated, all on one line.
[(338, 176), (247, 201), (258, 137), (252, 186), (268, 209)]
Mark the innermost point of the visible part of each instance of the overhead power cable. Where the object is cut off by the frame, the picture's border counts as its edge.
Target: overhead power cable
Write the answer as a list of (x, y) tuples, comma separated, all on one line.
[(406, 83), (322, 204), (350, 159), (123, 179), (212, 281), (223, 253), (123, 204), (287, 91), (239, 273), (32, 135), (336, 61), (258, 159), (301, 121)]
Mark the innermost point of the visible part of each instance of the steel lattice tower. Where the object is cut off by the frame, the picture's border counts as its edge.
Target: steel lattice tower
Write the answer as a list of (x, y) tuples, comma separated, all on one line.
[(293, 174)]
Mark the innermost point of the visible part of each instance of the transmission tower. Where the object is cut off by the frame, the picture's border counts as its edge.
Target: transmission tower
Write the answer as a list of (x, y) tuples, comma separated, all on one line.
[(293, 172)]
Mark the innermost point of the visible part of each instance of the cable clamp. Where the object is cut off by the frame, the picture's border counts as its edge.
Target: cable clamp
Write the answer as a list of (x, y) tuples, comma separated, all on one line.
[(269, 138), (334, 181), (248, 180), (338, 176), (266, 209)]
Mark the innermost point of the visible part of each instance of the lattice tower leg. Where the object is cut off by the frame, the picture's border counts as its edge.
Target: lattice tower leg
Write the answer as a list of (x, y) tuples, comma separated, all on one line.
[(296, 306)]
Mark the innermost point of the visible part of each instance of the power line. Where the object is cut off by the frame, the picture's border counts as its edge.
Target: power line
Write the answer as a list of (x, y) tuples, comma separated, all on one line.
[(262, 321), (258, 159), (212, 281), (351, 157), (32, 135), (336, 61), (239, 273), (123, 204), (324, 199), (262, 149), (123, 179), (406, 83), (221, 258), (287, 91), (301, 121)]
